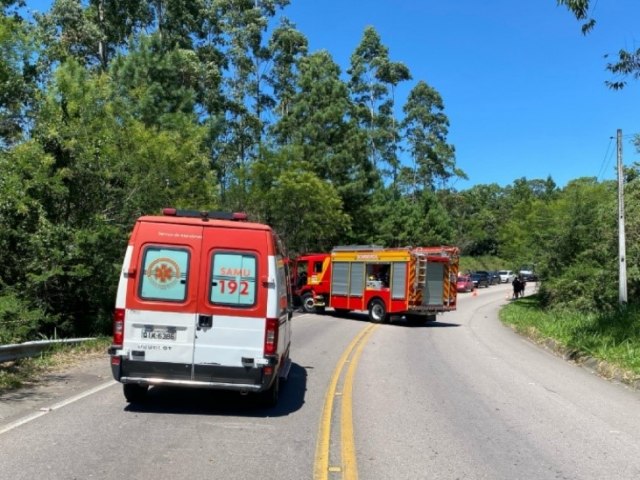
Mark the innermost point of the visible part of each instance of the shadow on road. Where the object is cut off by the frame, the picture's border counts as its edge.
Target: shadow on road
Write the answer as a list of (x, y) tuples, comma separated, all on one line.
[(395, 320), (196, 401)]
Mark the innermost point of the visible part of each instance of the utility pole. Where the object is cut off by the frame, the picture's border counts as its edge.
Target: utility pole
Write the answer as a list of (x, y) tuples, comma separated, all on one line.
[(622, 280)]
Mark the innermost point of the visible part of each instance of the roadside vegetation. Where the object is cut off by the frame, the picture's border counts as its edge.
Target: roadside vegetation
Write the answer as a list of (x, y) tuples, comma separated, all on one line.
[(612, 337)]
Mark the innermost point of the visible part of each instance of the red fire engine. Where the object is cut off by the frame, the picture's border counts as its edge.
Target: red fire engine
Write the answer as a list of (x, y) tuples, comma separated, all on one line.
[(415, 282)]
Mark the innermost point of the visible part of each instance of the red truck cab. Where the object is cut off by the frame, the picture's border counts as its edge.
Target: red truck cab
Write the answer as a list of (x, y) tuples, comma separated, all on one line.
[(311, 278)]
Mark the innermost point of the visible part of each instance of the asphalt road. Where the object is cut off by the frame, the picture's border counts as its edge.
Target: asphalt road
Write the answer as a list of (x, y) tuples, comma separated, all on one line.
[(462, 398)]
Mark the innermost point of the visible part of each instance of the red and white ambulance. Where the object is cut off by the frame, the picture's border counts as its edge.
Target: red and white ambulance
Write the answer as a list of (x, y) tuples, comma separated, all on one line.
[(204, 300)]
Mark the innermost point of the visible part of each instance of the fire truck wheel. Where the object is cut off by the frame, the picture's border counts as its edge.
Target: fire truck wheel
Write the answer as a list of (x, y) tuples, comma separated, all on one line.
[(308, 303), (377, 311)]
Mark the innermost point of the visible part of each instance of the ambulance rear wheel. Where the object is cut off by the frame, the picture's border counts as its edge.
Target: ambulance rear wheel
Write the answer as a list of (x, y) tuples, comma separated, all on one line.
[(377, 311), (269, 398), (308, 305), (135, 393)]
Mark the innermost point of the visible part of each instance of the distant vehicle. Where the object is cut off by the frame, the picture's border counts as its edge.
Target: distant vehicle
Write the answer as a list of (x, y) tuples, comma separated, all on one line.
[(464, 283), (490, 279), (494, 277), (506, 276), (480, 279), (527, 274)]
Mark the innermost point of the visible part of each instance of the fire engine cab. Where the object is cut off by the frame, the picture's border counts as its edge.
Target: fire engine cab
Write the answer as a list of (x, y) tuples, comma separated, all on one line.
[(414, 282)]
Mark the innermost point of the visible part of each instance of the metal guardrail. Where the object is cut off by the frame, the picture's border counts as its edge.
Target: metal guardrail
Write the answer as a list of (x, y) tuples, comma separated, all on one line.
[(33, 349)]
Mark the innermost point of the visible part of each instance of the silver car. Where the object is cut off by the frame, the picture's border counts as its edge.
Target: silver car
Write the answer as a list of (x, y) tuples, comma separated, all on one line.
[(506, 276)]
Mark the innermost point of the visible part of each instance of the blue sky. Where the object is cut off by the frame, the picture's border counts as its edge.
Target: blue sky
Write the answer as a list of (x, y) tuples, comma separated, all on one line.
[(523, 88)]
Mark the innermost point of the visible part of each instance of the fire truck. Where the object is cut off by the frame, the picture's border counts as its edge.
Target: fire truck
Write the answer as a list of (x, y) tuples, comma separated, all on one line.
[(414, 282)]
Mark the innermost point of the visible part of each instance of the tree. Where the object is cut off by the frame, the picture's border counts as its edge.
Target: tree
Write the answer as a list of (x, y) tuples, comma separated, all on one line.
[(426, 128), (286, 46), (628, 63), (404, 221), (90, 168), (92, 33), (372, 76), (305, 211), (159, 82), (18, 76), (318, 124)]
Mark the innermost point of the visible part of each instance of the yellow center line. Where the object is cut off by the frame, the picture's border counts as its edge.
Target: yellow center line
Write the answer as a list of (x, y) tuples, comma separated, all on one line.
[(321, 465), (349, 463)]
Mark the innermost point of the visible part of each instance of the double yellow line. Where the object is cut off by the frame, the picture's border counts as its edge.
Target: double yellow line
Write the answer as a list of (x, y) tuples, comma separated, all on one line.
[(348, 467)]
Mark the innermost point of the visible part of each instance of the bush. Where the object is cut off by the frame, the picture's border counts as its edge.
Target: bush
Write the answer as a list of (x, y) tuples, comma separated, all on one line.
[(19, 321), (582, 287)]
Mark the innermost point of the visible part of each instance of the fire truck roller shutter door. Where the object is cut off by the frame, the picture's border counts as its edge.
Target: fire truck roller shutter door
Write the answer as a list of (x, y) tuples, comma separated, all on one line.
[(435, 283), (399, 280)]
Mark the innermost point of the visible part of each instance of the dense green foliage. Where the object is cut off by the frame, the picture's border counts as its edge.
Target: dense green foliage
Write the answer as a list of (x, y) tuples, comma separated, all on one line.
[(110, 110)]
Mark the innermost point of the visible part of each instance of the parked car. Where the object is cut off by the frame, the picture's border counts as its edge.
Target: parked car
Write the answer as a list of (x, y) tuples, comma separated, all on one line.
[(494, 277), (527, 274), (506, 276), (480, 279), (464, 284), (490, 280)]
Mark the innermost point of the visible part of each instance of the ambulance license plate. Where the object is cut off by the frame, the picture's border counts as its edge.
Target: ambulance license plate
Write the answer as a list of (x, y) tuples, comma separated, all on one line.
[(159, 333)]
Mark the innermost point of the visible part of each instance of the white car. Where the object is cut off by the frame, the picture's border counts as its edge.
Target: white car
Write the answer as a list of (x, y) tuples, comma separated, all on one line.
[(506, 276)]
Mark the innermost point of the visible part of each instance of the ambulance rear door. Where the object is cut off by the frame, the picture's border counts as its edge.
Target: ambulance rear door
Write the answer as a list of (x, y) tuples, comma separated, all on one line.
[(161, 307), (232, 309)]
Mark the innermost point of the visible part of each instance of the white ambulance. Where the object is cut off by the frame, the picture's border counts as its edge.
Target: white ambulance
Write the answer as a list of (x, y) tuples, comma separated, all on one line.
[(203, 301)]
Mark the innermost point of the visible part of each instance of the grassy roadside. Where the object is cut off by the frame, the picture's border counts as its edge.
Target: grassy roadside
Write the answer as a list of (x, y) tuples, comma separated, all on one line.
[(28, 370), (610, 342)]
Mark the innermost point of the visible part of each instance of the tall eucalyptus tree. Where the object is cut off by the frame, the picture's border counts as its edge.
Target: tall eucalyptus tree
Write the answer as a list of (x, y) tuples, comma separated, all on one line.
[(286, 46), (243, 25), (426, 127), (373, 78), (328, 140), (92, 32)]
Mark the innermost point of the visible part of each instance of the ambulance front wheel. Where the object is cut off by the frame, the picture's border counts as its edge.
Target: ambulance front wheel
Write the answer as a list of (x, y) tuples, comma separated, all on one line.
[(377, 311), (135, 393)]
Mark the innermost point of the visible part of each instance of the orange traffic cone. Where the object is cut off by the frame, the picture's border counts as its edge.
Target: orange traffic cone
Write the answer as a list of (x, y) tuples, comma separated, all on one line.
[(475, 292)]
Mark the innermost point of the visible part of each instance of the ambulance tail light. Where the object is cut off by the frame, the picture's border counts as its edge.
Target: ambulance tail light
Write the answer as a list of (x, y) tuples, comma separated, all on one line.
[(118, 327), (271, 337)]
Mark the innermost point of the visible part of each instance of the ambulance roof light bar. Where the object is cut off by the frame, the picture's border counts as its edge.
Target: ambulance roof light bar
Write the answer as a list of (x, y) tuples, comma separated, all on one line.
[(210, 215)]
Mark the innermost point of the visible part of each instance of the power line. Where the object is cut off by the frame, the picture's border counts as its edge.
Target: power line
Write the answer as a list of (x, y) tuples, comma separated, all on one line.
[(606, 161)]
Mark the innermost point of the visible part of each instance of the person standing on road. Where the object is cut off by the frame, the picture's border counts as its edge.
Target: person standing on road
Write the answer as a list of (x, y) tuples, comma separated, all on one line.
[(517, 286)]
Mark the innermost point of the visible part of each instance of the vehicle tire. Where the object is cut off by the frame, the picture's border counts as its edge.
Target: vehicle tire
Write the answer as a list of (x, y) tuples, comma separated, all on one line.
[(307, 303), (135, 393), (269, 398), (377, 311)]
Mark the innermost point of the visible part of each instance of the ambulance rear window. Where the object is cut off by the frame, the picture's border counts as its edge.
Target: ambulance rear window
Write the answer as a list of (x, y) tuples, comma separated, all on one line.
[(165, 274), (233, 279)]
